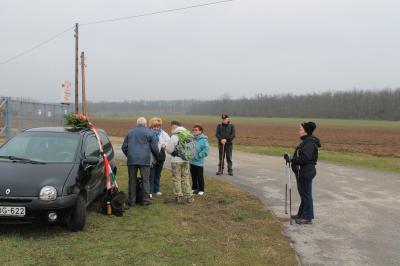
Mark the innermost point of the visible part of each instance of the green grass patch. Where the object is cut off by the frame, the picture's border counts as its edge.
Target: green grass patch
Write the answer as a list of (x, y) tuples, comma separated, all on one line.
[(226, 226), (391, 164)]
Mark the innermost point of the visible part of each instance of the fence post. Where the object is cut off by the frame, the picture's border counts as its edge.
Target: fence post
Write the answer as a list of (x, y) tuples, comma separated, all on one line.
[(33, 114), (21, 117), (8, 122), (44, 117), (54, 123), (62, 108)]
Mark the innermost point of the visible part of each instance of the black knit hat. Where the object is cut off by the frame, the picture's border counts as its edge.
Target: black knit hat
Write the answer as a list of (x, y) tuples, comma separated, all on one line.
[(176, 123), (309, 127), (224, 116)]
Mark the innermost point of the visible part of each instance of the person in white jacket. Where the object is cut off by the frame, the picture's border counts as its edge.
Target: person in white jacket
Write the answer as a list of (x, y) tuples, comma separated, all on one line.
[(180, 168), (156, 167)]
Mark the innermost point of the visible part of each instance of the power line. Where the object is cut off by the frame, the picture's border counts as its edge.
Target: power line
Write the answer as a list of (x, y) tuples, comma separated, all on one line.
[(107, 21), (35, 47), (154, 13)]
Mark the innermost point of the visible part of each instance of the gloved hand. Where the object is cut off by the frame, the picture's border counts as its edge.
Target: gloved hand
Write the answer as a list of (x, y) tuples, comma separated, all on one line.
[(287, 158)]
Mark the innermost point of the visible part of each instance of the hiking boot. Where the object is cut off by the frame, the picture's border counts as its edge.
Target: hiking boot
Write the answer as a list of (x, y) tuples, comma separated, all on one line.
[(178, 199), (295, 216), (230, 173), (129, 204), (146, 203), (218, 173), (190, 200), (303, 221)]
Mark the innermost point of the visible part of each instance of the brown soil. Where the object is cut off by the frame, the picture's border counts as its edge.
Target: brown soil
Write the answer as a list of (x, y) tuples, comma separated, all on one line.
[(370, 140)]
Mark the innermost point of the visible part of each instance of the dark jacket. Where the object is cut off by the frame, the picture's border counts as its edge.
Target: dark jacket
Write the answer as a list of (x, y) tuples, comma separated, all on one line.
[(226, 131), (305, 156), (138, 146)]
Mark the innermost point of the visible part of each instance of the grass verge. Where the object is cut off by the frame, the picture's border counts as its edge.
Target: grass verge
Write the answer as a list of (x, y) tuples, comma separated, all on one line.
[(226, 226), (391, 164)]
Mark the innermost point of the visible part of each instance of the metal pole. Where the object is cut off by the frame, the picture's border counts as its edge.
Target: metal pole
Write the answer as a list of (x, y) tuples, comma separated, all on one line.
[(20, 117), (62, 114), (76, 68), (54, 116), (290, 195), (8, 123), (34, 113)]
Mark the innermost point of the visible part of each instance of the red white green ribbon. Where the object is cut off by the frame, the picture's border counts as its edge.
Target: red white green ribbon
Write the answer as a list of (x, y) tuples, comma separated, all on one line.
[(108, 172)]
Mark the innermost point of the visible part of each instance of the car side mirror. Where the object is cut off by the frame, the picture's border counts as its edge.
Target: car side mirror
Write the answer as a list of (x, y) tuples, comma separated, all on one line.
[(91, 160)]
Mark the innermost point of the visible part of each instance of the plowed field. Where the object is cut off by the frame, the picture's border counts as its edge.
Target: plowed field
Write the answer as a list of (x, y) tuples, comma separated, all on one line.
[(375, 138)]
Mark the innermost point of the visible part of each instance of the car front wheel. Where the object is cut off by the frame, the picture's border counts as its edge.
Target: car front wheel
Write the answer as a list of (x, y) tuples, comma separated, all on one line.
[(77, 220)]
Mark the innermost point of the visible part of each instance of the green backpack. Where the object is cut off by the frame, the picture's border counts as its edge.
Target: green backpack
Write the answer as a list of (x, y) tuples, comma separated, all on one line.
[(186, 147)]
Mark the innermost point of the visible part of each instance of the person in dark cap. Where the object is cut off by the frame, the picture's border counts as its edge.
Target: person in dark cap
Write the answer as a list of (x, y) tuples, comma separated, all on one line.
[(303, 162), (179, 166), (225, 134)]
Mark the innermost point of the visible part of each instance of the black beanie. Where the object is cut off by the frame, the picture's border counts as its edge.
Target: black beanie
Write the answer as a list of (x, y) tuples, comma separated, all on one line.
[(309, 127), (176, 123)]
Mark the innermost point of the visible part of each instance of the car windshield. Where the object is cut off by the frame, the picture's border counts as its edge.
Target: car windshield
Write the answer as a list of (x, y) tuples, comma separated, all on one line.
[(47, 147)]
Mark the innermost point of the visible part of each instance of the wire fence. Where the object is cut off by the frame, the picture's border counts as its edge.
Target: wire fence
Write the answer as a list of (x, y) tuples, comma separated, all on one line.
[(17, 115)]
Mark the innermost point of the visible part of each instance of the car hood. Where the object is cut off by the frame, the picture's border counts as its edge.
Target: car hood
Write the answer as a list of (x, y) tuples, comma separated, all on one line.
[(26, 180)]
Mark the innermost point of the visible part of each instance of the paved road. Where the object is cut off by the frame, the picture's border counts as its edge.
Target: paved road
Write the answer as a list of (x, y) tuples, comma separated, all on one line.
[(357, 210)]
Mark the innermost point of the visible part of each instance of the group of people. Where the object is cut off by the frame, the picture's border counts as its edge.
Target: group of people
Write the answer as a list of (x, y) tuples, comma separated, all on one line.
[(146, 146)]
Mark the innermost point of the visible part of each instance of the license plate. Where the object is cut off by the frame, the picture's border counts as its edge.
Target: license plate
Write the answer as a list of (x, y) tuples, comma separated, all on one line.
[(12, 211)]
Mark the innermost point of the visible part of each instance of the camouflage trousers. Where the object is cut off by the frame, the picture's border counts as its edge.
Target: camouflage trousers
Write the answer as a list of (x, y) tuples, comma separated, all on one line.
[(180, 179)]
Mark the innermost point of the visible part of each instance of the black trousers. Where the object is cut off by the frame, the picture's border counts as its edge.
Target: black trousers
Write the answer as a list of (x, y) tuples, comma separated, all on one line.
[(304, 186), (197, 173), (228, 155)]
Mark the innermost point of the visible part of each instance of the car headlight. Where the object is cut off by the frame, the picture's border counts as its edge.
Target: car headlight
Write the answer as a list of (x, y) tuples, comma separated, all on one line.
[(48, 193)]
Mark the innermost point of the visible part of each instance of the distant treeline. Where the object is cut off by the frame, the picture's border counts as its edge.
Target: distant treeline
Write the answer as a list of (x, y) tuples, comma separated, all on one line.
[(357, 104), (383, 104), (141, 107)]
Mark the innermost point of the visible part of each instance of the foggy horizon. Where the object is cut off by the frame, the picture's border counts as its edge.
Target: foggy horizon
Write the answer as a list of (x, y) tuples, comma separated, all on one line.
[(242, 48)]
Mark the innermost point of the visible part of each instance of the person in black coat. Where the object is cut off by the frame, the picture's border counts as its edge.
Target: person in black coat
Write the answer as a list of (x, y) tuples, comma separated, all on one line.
[(303, 162), (225, 134)]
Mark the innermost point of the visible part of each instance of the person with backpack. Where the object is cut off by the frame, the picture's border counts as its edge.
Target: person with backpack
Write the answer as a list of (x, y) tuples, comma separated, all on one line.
[(156, 166), (197, 163), (181, 148), (225, 134), (303, 164), (138, 146)]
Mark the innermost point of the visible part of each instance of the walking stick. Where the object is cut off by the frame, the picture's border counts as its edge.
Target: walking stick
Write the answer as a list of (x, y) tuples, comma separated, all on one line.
[(290, 194), (288, 186), (223, 159)]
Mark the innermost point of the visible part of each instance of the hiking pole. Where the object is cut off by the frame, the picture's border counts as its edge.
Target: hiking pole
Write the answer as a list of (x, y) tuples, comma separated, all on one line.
[(288, 186), (290, 195), (223, 158), (286, 191)]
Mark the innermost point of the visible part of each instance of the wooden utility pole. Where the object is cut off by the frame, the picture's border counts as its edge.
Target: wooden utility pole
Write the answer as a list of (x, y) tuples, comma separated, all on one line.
[(76, 68), (83, 83)]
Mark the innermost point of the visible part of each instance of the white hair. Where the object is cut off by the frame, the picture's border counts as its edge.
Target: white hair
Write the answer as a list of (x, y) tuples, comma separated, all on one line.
[(141, 121)]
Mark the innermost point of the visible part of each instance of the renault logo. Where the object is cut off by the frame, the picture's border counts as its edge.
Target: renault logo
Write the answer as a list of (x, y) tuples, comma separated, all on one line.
[(8, 191)]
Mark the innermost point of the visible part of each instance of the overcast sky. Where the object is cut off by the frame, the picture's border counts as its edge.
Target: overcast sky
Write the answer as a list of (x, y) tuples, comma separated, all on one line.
[(242, 48)]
